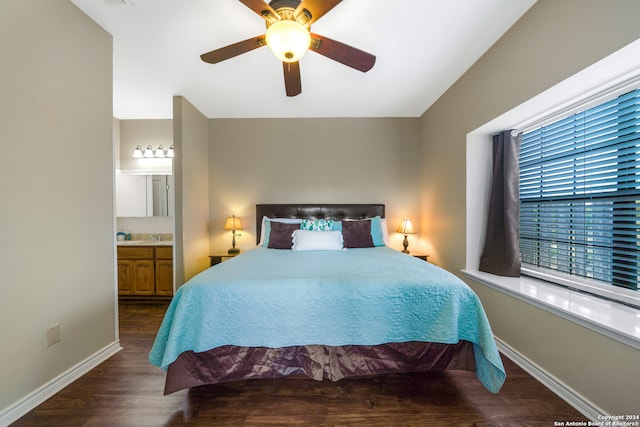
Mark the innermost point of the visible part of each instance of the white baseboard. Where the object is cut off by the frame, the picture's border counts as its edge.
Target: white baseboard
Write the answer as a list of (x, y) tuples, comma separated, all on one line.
[(39, 395), (566, 393)]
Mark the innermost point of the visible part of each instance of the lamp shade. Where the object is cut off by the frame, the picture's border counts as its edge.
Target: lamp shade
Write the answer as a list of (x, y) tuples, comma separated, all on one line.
[(406, 227), (288, 40), (232, 223)]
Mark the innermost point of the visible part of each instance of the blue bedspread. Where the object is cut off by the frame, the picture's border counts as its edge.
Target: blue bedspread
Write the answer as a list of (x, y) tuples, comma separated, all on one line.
[(279, 298)]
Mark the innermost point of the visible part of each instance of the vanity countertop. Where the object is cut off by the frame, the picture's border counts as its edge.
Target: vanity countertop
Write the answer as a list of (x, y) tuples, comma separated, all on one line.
[(145, 242)]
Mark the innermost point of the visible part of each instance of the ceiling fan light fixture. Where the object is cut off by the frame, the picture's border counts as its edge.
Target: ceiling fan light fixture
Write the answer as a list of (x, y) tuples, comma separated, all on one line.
[(288, 40)]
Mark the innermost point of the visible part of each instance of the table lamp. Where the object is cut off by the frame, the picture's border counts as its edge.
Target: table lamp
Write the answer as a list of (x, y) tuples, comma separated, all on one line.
[(406, 227), (233, 223)]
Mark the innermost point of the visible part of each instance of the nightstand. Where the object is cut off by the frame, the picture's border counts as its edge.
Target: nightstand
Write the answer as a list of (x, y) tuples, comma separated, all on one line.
[(421, 256), (217, 258)]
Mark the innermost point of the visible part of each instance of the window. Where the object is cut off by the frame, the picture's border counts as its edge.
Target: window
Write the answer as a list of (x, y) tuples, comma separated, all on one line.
[(580, 195)]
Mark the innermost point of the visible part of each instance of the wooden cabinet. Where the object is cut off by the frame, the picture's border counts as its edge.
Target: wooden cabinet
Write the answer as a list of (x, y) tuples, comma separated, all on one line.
[(164, 271), (135, 277), (145, 271)]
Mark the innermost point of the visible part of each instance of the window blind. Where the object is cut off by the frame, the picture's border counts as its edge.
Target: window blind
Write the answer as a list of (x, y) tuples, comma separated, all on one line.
[(580, 193)]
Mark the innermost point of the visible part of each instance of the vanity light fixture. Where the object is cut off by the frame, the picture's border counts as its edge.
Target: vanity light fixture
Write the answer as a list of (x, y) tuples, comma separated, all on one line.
[(148, 152)]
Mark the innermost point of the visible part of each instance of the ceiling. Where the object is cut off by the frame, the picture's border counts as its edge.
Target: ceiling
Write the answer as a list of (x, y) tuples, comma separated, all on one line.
[(422, 48)]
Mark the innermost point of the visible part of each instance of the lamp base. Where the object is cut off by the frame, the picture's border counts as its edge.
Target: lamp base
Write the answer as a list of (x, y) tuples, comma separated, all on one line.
[(233, 251), (405, 244)]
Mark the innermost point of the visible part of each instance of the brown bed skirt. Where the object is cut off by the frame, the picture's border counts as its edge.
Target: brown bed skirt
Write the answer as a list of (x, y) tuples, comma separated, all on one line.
[(319, 362)]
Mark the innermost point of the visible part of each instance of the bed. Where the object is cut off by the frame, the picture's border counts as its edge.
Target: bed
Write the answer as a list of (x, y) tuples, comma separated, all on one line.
[(315, 310)]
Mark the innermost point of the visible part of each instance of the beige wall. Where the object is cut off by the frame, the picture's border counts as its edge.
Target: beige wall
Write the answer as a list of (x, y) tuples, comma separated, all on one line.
[(56, 168), (310, 161), (564, 37), (191, 175)]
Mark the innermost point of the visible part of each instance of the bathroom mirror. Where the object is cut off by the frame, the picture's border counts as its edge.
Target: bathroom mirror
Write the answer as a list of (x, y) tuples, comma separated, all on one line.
[(144, 195)]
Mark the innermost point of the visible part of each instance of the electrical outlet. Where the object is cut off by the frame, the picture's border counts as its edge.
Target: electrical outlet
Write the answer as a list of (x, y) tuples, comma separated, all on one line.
[(52, 334)]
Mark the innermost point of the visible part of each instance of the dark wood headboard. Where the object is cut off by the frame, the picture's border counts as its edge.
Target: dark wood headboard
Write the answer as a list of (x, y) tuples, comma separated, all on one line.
[(316, 211)]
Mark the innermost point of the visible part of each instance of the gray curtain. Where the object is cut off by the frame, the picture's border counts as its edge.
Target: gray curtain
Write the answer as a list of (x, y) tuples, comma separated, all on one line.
[(501, 253)]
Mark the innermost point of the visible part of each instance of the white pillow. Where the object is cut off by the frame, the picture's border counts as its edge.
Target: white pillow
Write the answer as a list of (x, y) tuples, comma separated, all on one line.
[(306, 240), (264, 238), (385, 231)]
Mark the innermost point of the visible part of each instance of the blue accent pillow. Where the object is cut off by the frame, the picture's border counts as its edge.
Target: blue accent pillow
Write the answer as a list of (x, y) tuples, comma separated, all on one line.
[(317, 225), (376, 231)]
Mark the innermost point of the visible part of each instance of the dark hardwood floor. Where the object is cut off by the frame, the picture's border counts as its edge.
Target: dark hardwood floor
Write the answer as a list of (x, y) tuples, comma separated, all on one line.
[(127, 390)]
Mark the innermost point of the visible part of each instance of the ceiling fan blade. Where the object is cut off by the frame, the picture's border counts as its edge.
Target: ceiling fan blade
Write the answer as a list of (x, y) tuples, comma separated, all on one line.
[(261, 8), (344, 54), (232, 50), (292, 82), (318, 8)]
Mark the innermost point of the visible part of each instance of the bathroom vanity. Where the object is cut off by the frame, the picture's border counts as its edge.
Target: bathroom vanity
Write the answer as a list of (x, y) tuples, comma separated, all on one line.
[(145, 269)]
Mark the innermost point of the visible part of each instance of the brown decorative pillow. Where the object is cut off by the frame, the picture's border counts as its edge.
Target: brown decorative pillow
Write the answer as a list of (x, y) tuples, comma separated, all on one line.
[(357, 234), (280, 235)]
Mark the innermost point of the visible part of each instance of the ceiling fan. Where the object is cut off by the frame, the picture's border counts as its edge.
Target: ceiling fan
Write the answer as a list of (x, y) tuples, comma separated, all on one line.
[(289, 37)]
